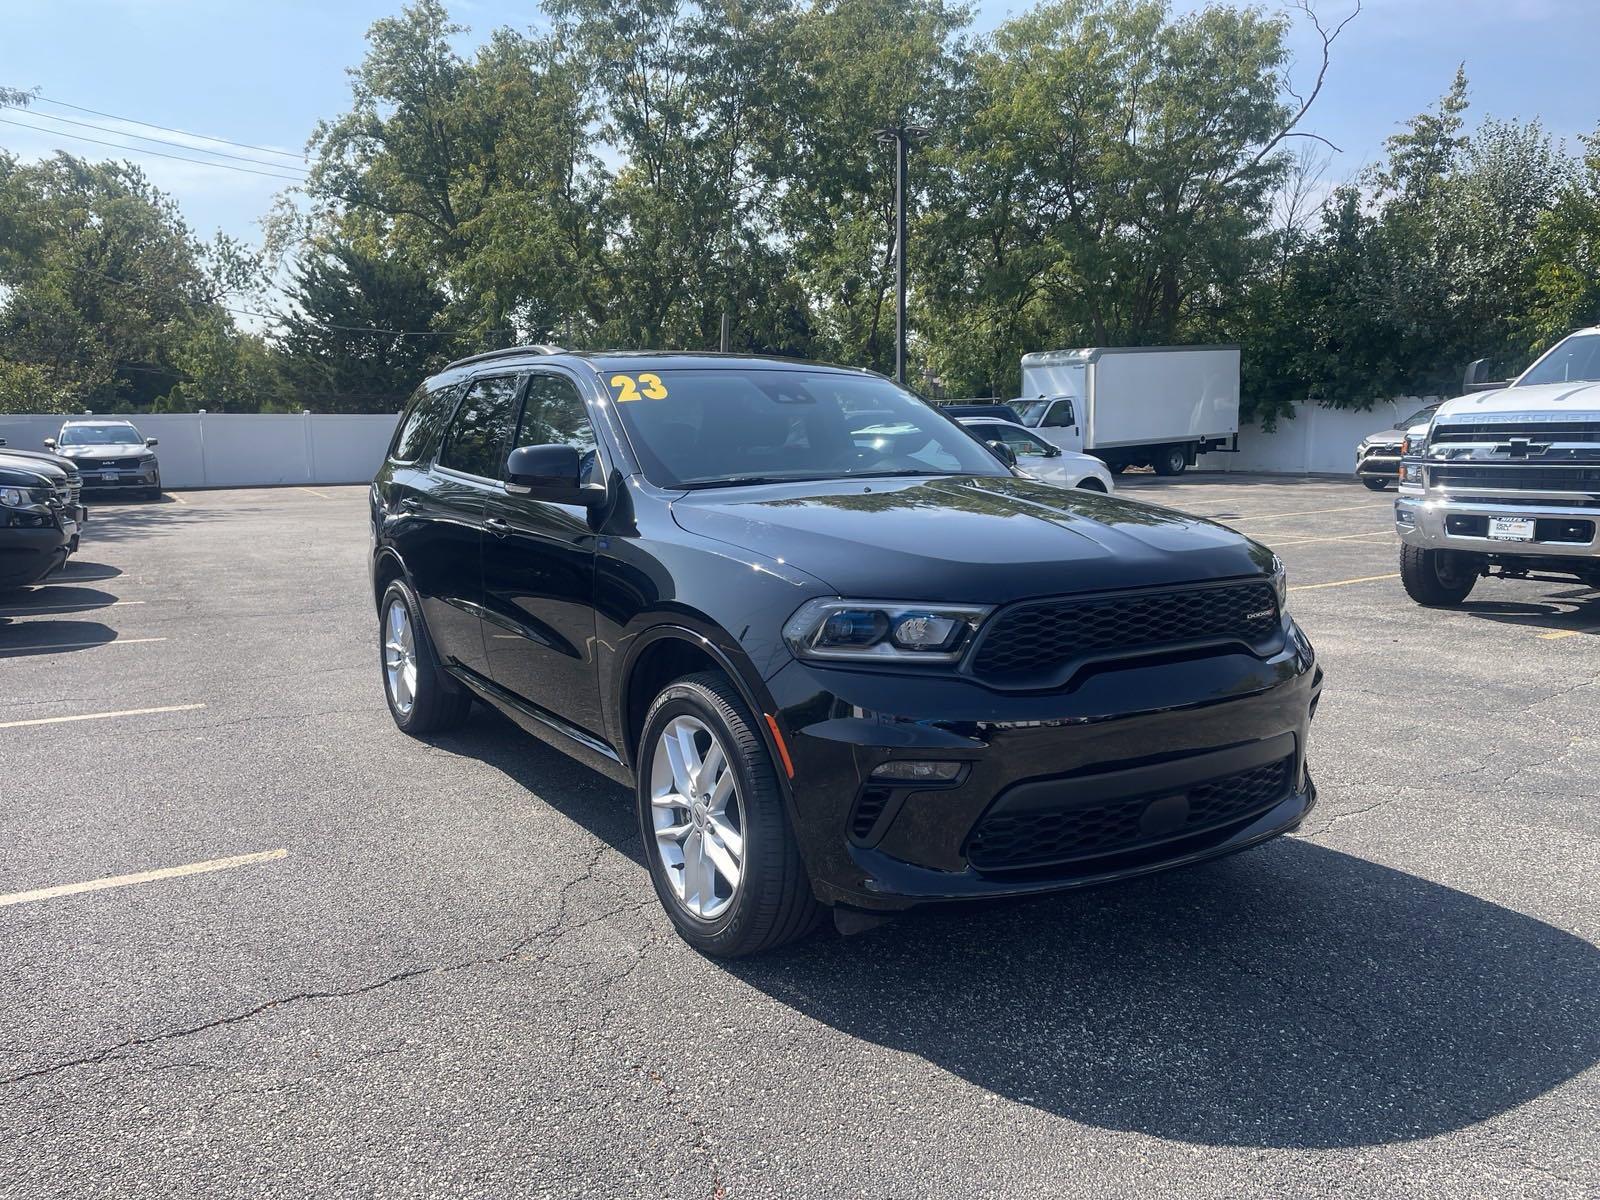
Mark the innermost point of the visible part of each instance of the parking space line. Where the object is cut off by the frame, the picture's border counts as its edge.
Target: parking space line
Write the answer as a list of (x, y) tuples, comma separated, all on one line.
[(78, 645), (1566, 633), (101, 716), (1343, 537), (28, 610), (116, 881), (314, 492), (1310, 512), (1311, 587), (176, 499)]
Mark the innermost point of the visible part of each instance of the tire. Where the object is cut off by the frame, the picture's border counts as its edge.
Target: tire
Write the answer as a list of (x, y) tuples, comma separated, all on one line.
[(1171, 460), (771, 902), (1091, 484), (1436, 578), (1374, 483), (437, 702)]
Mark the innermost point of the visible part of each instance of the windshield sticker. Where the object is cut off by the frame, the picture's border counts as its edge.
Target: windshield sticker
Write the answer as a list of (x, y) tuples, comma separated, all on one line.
[(628, 388)]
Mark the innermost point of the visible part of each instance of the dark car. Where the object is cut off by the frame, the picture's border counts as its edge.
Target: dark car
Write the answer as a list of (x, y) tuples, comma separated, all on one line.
[(111, 454), (1378, 455), (38, 529), (842, 654), (74, 477)]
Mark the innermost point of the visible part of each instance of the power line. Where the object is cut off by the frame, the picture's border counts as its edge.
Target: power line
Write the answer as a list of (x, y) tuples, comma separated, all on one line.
[(168, 129), (199, 162), (260, 162)]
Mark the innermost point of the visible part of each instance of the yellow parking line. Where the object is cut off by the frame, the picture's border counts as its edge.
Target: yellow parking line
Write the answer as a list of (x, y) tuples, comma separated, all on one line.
[(116, 881), (100, 716), (1309, 512), (1566, 633), (1309, 587), (314, 492), (176, 499), (78, 645), (1343, 537)]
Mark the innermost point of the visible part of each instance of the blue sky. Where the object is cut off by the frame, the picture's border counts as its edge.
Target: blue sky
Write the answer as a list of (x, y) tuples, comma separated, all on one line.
[(264, 72)]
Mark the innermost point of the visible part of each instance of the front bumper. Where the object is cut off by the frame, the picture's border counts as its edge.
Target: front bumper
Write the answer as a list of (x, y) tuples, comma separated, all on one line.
[(1382, 463), (119, 479), (29, 555), (1436, 521), (1120, 762)]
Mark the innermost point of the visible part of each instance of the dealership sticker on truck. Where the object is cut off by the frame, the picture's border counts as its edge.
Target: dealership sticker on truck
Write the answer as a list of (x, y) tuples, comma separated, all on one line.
[(1511, 529)]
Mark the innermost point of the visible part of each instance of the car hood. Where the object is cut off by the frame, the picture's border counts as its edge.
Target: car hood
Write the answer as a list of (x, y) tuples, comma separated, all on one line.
[(974, 539), (1544, 401), (1384, 437), (117, 450), (17, 471)]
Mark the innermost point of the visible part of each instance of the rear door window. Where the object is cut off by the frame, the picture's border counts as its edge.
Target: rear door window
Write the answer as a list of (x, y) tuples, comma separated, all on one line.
[(422, 422), (480, 436)]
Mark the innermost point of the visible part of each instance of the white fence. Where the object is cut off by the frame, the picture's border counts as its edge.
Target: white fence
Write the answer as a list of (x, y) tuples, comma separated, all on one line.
[(1314, 441), (243, 449)]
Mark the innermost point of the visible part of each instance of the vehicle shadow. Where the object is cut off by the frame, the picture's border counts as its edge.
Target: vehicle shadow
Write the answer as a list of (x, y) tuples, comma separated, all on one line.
[(79, 571), (53, 597), (22, 640), (1290, 997), (1574, 611), (120, 522)]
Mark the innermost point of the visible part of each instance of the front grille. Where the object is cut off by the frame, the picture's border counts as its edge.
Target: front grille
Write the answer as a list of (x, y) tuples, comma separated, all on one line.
[(1543, 479), (1036, 642), (1005, 841), (1553, 431), (112, 464)]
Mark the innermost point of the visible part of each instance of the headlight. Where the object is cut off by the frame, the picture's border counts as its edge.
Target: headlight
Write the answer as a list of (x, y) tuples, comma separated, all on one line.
[(23, 497), (1280, 584), (877, 629), (1414, 443)]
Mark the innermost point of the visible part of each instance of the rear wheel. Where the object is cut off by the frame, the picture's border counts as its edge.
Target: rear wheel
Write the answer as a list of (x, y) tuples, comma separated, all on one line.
[(1374, 483), (1437, 578), (1091, 484), (1171, 460), (422, 697), (717, 839)]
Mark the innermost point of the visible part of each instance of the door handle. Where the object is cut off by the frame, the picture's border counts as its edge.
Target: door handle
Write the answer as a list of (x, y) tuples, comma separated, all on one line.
[(497, 527)]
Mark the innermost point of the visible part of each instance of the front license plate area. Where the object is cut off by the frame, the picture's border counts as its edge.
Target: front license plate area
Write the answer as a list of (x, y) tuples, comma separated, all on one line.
[(108, 477), (1511, 529)]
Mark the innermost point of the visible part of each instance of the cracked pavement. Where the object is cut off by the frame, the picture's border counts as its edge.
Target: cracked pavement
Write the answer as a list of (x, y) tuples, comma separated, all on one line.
[(458, 980)]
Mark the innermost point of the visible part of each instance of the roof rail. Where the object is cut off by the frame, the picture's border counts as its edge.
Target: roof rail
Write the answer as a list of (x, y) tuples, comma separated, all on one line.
[(507, 352)]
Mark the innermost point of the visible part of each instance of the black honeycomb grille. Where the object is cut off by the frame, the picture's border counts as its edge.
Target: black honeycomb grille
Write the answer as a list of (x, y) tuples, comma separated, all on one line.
[(1011, 841), (1035, 642)]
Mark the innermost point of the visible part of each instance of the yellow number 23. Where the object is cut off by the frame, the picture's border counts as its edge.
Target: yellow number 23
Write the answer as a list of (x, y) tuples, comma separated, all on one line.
[(629, 389)]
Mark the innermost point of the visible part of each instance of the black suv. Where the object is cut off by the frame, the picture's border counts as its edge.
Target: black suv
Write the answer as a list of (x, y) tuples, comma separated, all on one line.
[(843, 654)]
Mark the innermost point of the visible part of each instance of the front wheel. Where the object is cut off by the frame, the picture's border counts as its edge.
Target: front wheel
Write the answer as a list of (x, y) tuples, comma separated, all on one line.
[(1374, 483), (1171, 461), (1436, 578), (422, 698), (721, 853)]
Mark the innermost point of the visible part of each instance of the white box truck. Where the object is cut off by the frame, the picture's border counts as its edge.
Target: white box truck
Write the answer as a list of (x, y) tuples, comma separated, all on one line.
[(1156, 406)]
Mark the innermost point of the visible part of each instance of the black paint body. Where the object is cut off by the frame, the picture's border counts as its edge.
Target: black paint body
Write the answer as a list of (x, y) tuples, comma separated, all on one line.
[(553, 613)]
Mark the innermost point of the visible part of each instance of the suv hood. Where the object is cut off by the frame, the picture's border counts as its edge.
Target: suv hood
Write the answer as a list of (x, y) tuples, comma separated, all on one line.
[(116, 450), (17, 471), (1544, 401), (974, 539)]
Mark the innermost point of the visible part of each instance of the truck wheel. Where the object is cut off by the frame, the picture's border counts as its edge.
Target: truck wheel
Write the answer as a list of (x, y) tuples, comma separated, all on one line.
[(1437, 578), (1171, 460), (1374, 483), (721, 853)]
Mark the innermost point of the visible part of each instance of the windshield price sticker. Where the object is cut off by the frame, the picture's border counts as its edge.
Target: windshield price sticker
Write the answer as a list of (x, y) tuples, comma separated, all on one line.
[(646, 385)]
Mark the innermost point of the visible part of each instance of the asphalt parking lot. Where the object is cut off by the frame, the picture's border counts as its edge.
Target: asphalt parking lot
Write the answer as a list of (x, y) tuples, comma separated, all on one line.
[(443, 969)]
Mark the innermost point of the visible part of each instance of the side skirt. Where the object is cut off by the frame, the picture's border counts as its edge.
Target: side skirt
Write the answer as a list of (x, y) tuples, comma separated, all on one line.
[(546, 726)]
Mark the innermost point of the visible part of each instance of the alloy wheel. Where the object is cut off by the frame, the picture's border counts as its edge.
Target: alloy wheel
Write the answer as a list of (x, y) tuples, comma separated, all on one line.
[(698, 818), (400, 657)]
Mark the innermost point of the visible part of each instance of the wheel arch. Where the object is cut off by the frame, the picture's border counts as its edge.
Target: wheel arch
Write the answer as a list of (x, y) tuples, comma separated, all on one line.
[(387, 566)]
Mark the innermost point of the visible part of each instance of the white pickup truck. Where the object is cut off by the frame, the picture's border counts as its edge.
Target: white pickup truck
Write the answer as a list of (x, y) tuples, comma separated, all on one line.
[(1132, 406), (1506, 481)]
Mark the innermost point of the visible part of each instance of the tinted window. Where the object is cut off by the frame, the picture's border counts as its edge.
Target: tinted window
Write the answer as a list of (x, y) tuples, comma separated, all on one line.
[(480, 436), (693, 427), (553, 414), (422, 421), (1575, 360), (1060, 415)]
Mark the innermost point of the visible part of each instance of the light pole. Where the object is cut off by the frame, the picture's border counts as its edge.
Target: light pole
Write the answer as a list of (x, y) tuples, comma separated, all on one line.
[(901, 137)]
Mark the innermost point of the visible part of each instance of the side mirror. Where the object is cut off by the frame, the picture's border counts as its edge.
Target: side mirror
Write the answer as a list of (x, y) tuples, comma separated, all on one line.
[(152, 441), (552, 473), (50, 443), (1003, 452), (1476, 378), (1053, 452)]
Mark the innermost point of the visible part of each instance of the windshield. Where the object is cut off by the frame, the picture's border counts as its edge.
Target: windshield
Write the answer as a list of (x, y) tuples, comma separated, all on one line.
[(701, 428), (99, 435), (1030, 412), (1575, 360)]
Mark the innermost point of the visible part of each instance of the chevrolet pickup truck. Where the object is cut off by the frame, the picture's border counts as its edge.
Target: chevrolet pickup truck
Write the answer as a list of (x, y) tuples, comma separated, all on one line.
[(1506, 482)]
